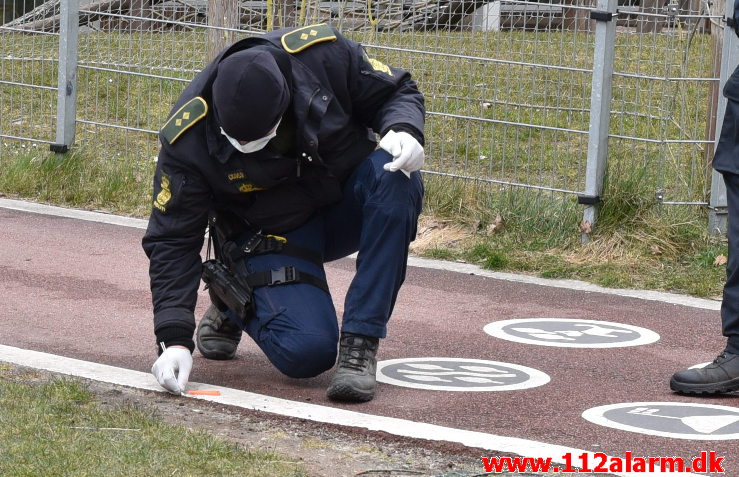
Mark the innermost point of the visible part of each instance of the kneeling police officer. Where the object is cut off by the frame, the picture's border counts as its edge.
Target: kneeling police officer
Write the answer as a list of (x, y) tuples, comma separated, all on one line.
[(272, 148)]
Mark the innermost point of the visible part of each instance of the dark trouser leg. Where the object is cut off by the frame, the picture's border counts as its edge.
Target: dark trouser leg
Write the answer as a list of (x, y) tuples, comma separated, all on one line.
[(295, 325), (730, 304), (377, 217), (723, 374)]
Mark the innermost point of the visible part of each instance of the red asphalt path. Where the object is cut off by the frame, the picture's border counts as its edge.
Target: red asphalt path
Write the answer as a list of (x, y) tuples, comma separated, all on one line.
[(80, 289)]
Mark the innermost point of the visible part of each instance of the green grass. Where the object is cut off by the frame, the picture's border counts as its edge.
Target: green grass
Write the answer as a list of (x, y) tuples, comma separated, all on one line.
[(54, 427), (637, 242), (79, 179)]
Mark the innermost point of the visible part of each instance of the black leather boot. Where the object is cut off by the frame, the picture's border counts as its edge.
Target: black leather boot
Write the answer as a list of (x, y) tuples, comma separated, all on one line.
[(217, 337), (721, 376)]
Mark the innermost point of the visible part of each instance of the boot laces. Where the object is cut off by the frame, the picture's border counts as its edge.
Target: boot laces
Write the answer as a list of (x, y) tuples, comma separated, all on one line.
[(357, 354), (720, 358)]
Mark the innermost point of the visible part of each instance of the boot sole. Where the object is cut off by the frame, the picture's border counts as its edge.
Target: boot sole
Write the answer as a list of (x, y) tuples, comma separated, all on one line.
[(721, 387), (348, 393)]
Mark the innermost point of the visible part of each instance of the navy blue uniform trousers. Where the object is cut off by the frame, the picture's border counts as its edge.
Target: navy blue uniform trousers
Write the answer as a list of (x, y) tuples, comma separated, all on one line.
[(296, 325)]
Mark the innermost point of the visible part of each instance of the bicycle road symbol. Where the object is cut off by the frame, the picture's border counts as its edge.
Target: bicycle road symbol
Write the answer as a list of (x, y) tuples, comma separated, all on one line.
[(458, 374), (570, 332), (677, 420)]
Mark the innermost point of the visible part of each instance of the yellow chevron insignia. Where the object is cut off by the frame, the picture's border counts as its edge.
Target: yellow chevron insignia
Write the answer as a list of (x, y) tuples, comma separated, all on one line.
[(185, 117), (300, 39)]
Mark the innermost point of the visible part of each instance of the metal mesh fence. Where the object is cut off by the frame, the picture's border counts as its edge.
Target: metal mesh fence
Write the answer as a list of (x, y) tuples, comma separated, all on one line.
[(665, 89), (28, 81), (508, 84)]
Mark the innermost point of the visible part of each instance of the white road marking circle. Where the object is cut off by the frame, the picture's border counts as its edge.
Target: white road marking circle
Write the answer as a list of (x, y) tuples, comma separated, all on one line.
[(570, 332), (669, 419), (458, 374)]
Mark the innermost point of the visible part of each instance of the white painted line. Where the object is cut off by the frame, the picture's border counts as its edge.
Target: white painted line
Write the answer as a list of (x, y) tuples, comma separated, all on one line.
[(283, 407), (72, 213), (470, 269), (466, 268)]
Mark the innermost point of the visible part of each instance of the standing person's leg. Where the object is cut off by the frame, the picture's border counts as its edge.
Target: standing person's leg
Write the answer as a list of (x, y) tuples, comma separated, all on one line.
[(723, 374), (377, 217), (730, 303)]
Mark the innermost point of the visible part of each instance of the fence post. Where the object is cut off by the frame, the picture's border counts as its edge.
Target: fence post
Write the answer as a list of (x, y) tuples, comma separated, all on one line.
[(717, 213), (600, 111), (66, 102), (223, 15)]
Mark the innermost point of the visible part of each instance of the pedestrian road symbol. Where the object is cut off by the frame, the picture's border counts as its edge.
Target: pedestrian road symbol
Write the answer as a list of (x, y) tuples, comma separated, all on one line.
[(458, 374), (570, 332), (670, 419)]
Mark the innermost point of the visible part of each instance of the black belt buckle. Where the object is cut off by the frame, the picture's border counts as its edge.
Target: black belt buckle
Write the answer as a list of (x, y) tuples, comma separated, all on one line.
[(283, 275)]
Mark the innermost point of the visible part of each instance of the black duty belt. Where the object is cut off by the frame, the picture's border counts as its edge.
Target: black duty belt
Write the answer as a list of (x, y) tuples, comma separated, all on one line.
[(261, 244), (283, 276)]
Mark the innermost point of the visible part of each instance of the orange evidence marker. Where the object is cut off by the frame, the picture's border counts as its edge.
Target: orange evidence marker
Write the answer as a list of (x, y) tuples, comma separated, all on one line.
[(204, 392)]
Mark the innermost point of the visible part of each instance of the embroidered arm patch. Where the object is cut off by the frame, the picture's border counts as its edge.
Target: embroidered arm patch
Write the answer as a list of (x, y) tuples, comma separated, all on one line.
[(378, 65), (164, 195)]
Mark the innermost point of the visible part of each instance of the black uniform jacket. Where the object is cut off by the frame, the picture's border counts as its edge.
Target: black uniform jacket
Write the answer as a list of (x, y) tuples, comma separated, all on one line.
[(726, 158), (340, 99)]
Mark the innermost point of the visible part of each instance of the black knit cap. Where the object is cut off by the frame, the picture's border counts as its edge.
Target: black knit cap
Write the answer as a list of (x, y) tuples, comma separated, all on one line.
[(250, 94)]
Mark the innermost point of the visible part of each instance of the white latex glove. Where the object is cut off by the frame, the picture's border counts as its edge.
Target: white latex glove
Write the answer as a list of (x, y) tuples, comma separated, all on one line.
[(172, 369), (407, 152)]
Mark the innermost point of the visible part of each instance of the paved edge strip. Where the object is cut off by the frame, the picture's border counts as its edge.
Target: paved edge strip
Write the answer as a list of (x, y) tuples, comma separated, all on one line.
[(90, 216), (465, 268), (312, 412)]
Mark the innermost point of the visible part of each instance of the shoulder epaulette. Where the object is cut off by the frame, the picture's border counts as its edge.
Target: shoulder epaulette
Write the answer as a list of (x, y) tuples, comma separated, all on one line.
[(300, 39), (185, 117)]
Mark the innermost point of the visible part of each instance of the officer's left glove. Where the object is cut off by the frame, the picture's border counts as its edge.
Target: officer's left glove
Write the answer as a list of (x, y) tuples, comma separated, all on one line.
[(172, 369), (407, 152)]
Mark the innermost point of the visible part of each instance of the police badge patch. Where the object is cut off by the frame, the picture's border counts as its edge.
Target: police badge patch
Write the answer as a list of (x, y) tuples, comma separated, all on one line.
[(164, 195)]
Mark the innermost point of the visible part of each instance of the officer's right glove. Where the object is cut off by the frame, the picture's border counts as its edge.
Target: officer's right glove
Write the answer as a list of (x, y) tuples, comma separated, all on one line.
[(172, 369)]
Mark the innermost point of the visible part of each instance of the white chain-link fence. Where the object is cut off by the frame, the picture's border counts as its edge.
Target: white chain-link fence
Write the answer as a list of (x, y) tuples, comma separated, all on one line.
[(527, 96)]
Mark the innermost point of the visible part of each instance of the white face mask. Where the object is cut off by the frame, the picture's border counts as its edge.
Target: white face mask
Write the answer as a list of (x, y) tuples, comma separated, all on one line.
[(252, 146)]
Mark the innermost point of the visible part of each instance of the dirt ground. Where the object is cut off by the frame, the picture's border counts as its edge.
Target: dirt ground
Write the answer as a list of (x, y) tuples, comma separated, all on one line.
[(324, 450)]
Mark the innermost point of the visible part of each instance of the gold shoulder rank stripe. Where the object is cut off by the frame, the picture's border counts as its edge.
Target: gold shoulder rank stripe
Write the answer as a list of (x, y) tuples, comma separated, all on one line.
[(185, 117), (300, 39)]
